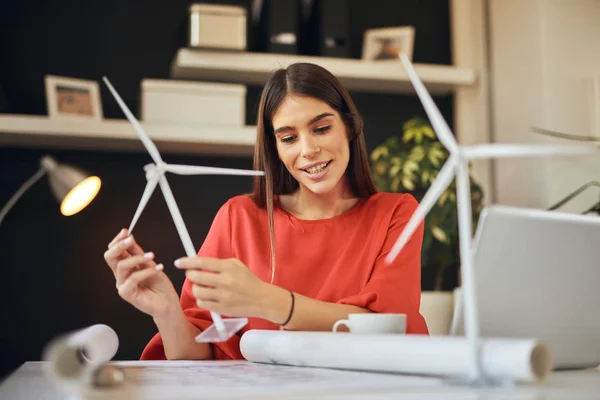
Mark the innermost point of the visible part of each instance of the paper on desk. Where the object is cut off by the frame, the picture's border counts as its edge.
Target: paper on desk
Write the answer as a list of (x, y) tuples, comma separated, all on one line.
[(217, 379), (73, 358), (523, 360)]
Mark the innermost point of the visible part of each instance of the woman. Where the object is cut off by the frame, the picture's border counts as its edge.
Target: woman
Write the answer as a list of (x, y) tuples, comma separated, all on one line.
[(304, 250)]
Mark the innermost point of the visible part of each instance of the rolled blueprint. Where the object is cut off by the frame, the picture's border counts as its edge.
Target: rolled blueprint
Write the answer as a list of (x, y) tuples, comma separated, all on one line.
[(76, 358), (524, 360)]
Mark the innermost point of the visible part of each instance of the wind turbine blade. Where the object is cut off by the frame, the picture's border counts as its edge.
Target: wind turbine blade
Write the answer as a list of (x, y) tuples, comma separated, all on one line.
[(441, 183), (148, 143), (200, 170), (501, 150), (148, 190), (438, 122), (184, 235)]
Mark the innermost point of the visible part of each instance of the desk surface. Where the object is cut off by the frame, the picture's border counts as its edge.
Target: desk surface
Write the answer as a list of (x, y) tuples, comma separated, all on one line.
[(30, 382)]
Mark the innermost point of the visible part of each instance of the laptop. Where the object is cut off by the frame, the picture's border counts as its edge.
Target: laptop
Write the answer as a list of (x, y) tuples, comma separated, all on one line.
[(537, 275)]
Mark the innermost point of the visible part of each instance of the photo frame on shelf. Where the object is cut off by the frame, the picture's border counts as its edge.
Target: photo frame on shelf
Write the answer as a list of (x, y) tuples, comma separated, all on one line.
[(71, 98), (386, 43)]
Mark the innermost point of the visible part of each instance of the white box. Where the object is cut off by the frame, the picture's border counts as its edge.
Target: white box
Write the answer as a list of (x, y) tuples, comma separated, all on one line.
[(193, 103), (217, 26)]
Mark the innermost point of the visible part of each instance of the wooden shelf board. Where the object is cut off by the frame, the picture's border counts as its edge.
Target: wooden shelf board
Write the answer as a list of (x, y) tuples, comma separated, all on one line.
[(370, 76), (114, 135)]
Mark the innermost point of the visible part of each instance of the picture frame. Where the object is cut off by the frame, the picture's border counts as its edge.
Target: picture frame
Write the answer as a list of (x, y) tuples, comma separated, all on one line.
[(71, 98), (382, 44)]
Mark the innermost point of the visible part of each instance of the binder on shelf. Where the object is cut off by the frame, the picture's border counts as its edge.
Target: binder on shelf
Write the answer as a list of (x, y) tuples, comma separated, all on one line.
[(277, 27), (325, 30)]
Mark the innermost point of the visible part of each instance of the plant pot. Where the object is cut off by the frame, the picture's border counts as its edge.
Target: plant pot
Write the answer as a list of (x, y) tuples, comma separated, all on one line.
[(437, 309)]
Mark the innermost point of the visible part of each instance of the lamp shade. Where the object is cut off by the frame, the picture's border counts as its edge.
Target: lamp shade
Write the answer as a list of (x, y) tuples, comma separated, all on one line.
[(73, 188)]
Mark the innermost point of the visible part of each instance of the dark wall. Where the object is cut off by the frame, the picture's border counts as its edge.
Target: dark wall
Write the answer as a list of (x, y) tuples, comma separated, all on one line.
[(52, 270)]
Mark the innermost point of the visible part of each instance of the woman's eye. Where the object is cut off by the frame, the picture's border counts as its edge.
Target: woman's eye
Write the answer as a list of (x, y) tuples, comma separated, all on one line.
[(287, 139), (323, 129)]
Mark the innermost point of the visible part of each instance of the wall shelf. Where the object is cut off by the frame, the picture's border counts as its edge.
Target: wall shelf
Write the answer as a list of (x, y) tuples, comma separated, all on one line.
[(118, 135), (366, 76)]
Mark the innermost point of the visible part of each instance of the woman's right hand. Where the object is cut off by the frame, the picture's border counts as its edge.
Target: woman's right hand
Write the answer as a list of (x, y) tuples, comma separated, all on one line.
[(140, 281)]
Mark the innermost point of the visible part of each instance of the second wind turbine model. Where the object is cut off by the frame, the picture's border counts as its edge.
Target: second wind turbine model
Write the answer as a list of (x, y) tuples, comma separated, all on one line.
[(457, 166)]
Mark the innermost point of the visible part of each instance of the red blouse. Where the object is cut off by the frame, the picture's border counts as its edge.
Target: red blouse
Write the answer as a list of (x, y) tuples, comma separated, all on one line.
[(337, 260)]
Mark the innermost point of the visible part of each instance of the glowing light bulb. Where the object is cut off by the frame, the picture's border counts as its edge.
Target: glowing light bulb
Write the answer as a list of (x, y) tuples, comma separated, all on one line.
[(80, 196)]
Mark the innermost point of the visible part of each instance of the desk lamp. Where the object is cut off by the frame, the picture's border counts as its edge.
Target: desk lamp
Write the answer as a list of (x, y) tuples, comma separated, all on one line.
[(73, 188)]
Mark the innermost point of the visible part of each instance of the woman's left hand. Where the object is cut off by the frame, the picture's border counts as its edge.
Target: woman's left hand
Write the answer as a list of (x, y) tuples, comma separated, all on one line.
[(227, 287)]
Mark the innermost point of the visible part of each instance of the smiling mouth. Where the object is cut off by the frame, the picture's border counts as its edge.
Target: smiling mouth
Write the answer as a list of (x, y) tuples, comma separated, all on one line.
[(317, 168)]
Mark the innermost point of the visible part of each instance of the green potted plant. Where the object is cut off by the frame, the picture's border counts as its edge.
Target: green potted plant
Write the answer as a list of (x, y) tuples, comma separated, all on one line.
[(410, 163)]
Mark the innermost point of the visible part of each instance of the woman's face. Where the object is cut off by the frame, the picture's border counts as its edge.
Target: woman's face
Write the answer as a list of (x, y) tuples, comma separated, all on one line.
[(312, 142)]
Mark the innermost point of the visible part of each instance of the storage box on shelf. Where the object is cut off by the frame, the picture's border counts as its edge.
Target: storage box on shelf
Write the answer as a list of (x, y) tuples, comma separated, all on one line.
[(217, 26), (193, 103)]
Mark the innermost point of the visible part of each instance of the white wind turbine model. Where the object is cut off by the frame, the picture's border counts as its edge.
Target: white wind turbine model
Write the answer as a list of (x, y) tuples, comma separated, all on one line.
[(222, 329), (457, 165)]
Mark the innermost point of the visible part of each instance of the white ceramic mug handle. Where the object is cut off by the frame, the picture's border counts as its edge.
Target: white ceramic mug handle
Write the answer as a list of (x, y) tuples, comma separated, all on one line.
[(340, 322)]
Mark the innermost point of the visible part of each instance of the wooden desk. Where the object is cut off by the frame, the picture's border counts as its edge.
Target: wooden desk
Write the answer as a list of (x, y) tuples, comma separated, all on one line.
[(30, 382)]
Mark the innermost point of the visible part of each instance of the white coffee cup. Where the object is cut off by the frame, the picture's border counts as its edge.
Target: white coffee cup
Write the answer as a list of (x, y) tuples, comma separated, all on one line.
[(373, 323)]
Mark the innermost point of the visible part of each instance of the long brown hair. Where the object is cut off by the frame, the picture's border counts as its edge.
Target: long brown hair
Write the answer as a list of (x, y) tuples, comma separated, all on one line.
[(316, 82)]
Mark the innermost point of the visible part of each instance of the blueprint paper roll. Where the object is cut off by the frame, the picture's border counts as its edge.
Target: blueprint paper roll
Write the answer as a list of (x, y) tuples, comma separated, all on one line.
[(524, 360), (74, 358)]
